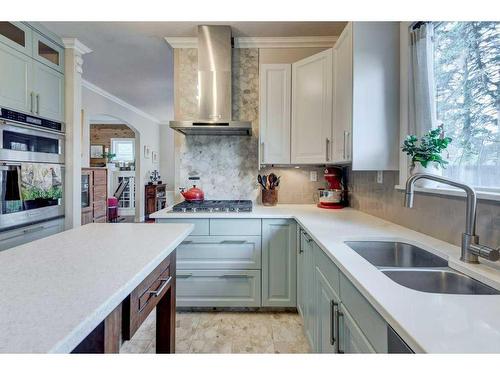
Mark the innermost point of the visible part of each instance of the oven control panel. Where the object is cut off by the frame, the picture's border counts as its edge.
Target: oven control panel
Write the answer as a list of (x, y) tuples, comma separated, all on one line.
[(8, 114)]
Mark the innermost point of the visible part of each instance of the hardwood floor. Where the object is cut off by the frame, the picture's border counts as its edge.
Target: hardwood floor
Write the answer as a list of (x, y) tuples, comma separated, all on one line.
[(227, 332)]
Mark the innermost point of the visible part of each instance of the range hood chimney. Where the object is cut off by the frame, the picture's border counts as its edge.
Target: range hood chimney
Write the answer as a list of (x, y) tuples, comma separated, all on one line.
[(214, 87)]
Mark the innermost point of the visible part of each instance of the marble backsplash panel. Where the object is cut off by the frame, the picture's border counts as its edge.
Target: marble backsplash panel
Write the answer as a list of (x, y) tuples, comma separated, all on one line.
[(439, 216)]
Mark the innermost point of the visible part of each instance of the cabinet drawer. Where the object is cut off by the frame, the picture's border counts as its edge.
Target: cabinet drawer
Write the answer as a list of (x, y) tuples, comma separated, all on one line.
[(235, 227), (366, 317), (200, 225), (222, 288), (219, 252), (144, 298)]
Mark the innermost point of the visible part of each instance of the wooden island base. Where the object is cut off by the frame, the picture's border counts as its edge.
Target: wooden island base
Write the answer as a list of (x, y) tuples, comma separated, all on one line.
[(156, 290)]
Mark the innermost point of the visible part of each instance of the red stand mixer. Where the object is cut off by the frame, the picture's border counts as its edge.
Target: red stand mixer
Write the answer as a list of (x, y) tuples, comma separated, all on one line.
[(335, 196)]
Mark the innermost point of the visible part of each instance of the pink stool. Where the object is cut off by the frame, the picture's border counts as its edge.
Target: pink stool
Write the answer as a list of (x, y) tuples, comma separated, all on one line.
[(112, 210)]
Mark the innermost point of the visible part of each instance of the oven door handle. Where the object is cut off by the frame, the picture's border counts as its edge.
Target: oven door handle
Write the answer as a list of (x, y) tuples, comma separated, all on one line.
[(10, 125)]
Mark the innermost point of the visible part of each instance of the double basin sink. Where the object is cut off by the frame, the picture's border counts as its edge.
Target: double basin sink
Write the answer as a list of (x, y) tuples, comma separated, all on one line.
[(418, 269)]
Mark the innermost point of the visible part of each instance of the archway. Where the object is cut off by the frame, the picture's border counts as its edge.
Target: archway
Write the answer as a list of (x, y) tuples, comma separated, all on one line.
[(98, 132)]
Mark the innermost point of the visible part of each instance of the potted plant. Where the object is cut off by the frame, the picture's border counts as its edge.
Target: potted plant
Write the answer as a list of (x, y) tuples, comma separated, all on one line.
[(109, 156), (425, 153)]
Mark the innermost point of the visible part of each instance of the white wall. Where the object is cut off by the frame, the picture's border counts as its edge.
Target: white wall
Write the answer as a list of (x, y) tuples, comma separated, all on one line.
[(96, 102)]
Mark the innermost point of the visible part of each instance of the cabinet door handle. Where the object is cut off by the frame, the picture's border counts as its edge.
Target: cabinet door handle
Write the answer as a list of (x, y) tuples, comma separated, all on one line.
[(344, 153), (37, 104), (262, 158), (163, 285), (32, 96), (333, 317), (235, 276), (233, 242), (327, 143), (340, 314)]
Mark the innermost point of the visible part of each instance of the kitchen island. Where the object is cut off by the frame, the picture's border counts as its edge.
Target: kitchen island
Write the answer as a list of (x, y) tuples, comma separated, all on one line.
[(76, 291), (427, 322)]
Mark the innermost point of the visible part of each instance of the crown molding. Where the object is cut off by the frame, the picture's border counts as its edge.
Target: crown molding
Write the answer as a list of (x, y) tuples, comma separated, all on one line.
[(262, 42), (285, 42), (109, 96), (74, 43)]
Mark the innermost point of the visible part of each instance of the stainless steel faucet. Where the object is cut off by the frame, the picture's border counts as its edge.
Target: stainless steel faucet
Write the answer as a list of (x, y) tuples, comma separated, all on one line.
[(471, 249)]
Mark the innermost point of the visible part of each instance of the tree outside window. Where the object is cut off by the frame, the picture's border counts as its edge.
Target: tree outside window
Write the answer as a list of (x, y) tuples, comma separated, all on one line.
[(467, 88)]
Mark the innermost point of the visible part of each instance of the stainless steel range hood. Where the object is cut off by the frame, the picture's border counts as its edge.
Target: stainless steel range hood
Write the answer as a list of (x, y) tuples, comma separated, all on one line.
[(214, 87)]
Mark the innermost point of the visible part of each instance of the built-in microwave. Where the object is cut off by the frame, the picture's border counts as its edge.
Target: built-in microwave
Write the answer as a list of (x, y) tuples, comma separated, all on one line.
[(30, 139)]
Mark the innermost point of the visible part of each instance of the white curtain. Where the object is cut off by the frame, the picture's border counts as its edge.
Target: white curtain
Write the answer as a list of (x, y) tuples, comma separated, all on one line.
[(422, 108)]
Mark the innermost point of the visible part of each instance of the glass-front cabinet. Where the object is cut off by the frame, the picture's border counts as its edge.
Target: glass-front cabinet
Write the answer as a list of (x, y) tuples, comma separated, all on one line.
[(16, 35)]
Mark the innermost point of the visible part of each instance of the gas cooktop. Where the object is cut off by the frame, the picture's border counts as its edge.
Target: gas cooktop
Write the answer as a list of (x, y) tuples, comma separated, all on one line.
[(214, 206)]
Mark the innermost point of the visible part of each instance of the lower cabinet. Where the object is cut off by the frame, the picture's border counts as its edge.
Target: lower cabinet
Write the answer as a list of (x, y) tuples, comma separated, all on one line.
[(20, 236), (218, 288), (337, 318), (351, 339), (328, 307), (279, 263)]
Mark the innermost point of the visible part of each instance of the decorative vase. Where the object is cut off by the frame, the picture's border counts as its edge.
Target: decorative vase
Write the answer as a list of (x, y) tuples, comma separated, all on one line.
[(431, 168)]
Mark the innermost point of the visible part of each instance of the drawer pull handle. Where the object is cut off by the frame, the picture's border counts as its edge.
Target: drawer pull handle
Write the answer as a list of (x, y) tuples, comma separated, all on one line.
[(233, 242), (235, 276), (186, 242), (184, 276), (164, 283), (340, 314)]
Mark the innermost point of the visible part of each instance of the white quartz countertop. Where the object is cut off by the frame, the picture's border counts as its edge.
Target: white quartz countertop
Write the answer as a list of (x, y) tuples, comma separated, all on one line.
[(56, 290), (428, 322)]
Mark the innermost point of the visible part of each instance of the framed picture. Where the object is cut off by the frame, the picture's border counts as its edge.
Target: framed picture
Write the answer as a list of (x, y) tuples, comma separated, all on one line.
[(147, 152), (96, 151), (154, 155)]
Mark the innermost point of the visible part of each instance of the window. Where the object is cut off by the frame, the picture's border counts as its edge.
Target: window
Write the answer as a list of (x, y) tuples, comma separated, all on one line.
[(124, 148), (466, 68)]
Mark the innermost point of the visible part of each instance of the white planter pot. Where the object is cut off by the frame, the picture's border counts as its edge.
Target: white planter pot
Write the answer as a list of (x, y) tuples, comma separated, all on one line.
[(430, 169)]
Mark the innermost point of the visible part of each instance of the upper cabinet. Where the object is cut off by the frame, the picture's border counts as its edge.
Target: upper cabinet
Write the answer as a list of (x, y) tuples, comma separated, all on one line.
[(366, 96), (342, 97), (16, 72), (275, 99), (312, 109), (17, 35), (31, 71), (344, 103)]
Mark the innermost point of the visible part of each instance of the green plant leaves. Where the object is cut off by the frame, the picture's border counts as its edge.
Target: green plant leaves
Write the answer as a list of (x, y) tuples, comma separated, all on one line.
[(427, 149)]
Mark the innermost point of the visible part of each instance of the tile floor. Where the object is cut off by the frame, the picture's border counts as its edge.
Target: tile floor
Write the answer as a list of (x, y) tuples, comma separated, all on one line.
[(227, 332)]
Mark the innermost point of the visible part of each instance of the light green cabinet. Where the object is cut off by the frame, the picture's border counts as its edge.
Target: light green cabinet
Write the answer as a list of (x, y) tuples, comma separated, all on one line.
[(351, 338), (300, 273), (48, 86), (279, 263), (16, 76), (307, 295), (337, 318), (31, 72), (328, 305)]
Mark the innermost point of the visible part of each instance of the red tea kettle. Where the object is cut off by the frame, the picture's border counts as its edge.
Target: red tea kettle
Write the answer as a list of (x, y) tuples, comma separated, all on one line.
[(193, 194)]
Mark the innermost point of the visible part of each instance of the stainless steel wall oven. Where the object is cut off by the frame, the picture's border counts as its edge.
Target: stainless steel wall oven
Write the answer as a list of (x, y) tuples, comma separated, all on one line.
[(31, 169)]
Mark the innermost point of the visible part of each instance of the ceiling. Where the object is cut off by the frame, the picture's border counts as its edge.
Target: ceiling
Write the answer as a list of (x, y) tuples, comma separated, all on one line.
[(130, 59)]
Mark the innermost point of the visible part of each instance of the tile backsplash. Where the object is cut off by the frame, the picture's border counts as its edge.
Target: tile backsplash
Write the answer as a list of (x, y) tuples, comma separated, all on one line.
[(439, 216)]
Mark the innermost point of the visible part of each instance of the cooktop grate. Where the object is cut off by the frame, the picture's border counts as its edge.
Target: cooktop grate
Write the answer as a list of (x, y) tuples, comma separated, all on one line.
[(214, 206)]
